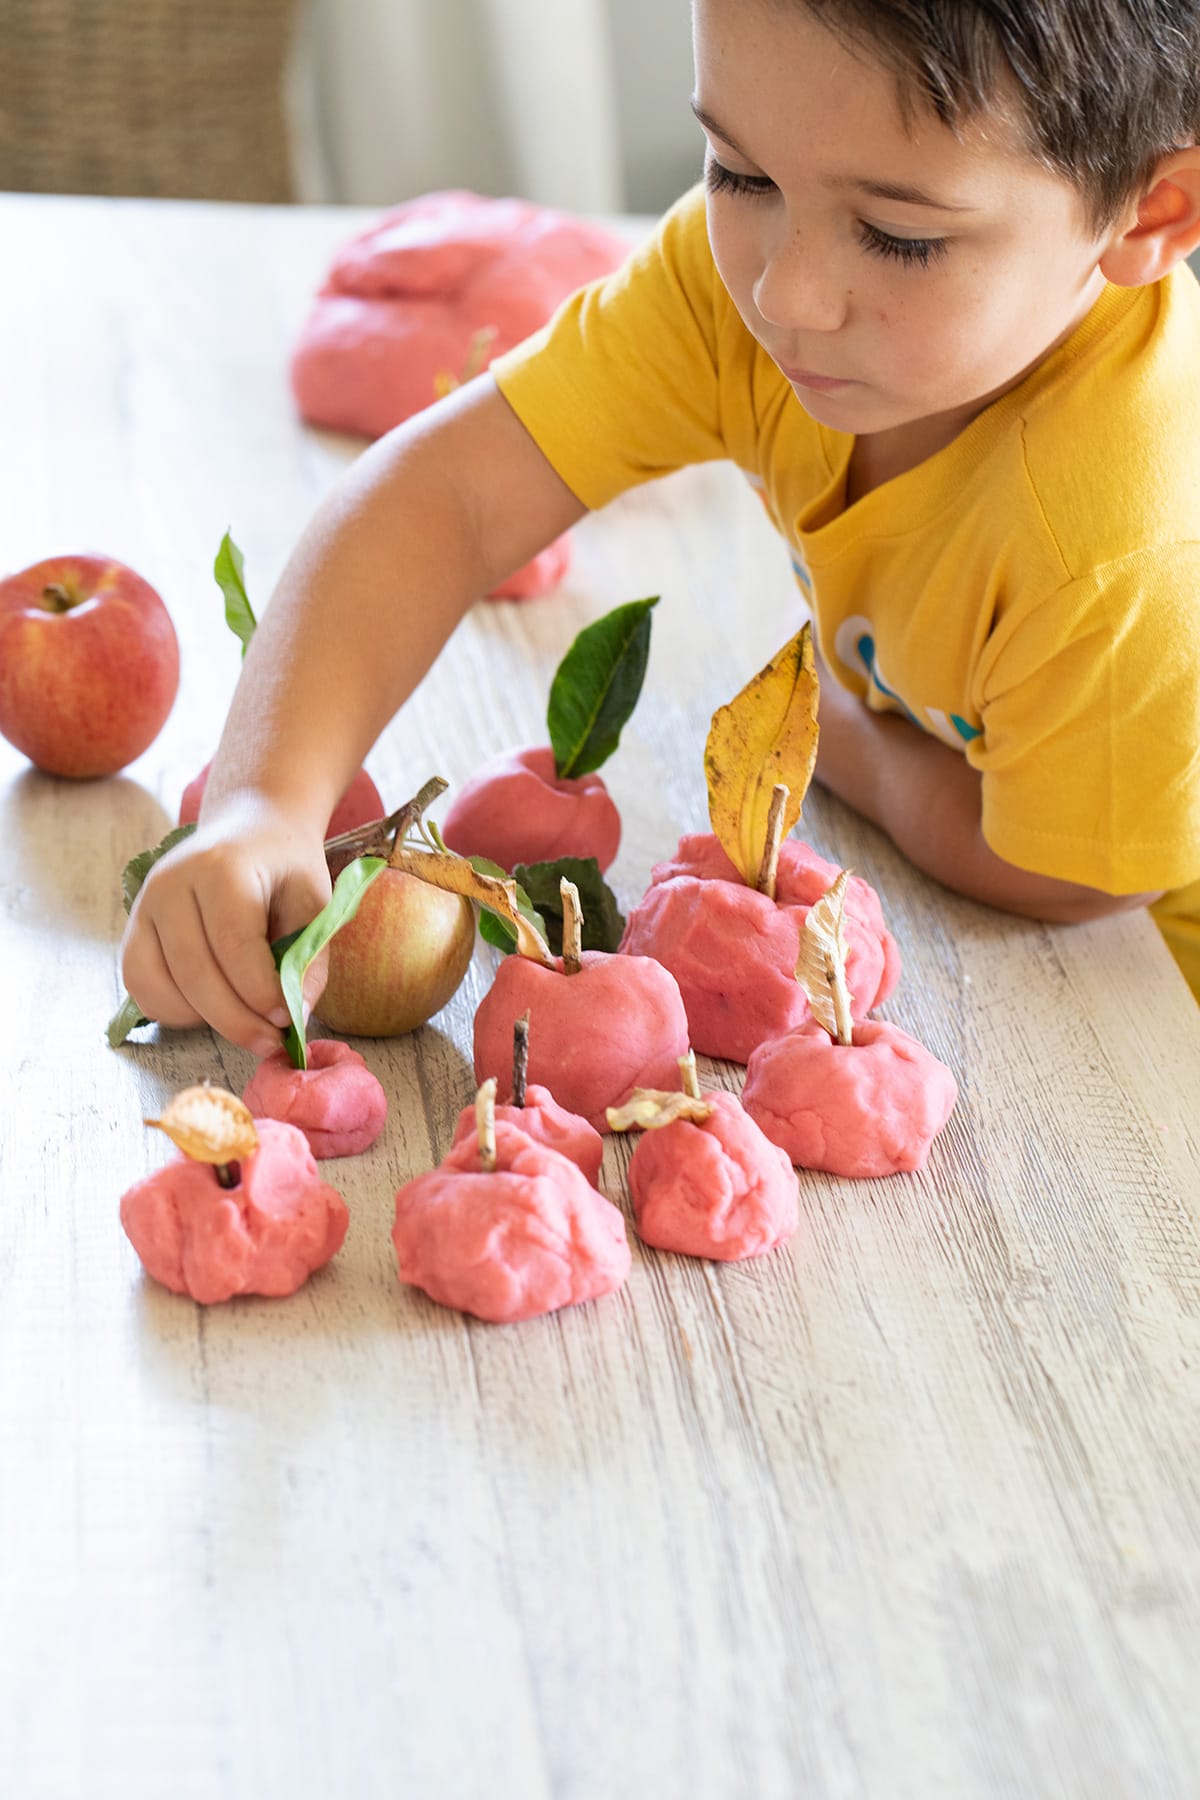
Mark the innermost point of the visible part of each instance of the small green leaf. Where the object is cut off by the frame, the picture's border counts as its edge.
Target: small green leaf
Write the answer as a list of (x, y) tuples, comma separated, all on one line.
[(138, 867), (596, 687), (293, 954), (603, 924), (492, 928), (229, 569), (127, 1018)]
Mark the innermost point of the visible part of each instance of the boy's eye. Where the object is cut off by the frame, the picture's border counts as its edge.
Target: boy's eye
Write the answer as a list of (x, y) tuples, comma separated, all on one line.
[(720, 180), (918, 251)]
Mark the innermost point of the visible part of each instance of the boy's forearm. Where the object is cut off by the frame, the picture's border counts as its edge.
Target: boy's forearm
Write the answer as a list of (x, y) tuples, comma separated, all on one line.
[(422, 525), (928, 800)]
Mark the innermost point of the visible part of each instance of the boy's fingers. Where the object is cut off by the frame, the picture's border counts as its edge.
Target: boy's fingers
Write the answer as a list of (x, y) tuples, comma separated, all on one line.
[(179, 981)]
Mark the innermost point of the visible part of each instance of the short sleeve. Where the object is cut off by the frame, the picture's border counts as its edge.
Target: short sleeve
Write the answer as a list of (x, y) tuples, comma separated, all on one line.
[(621, 385), (1090, 749)]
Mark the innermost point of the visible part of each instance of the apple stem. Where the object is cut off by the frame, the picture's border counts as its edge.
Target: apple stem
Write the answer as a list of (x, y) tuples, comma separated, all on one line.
[(689, 1079), (769, 867), (520, 1057), (380, 836), (485, 1124), (572, 952), (55, 598)]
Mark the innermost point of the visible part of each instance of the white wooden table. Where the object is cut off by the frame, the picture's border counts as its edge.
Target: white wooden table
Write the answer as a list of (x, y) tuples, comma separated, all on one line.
[(910, 1508)]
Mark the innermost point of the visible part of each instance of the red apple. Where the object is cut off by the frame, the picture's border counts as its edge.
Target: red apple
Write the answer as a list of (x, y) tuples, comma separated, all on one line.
[(359, 805), (89, 664), (400, 958)]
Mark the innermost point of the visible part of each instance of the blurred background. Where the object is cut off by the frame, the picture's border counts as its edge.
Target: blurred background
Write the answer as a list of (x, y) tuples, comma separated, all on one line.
[(580, 104)]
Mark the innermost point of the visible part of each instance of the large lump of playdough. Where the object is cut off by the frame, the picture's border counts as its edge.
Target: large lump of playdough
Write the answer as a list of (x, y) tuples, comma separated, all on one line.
[(336, 1101), (265, 1235), (617, 1024), (733, 951), (546, 1122), (524, 1238), (871, 1107), (516, 809), (716, 1187)]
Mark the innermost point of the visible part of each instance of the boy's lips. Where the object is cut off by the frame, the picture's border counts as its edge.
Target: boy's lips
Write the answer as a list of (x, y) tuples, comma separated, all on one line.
[(808, 378)]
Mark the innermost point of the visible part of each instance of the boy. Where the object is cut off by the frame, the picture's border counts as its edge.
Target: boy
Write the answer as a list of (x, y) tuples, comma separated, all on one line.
[(933, 304)]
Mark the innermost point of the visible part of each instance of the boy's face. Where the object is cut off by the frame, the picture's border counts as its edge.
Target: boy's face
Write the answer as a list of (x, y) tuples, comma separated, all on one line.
[(901, 277)]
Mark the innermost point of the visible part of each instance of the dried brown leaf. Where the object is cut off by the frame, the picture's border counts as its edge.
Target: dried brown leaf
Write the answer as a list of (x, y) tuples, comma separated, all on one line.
[(208, 1124), (821, 969)]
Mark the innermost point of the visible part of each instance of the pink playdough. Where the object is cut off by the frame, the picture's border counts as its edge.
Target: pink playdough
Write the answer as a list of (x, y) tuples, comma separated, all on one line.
[(733, 951), (546, 1122), (336, 1102), (515, 809), (404, 300), (593, 1037), (361, 803), (264, 1236), (718, 1188), (525, 1238), (872, 1107)]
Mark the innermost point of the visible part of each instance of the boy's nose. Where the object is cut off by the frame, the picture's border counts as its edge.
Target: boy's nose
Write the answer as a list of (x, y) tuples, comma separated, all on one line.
[(796, 290)]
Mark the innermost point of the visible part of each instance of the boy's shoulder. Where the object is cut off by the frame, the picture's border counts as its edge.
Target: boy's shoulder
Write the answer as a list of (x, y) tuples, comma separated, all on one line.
[(1110, 436)]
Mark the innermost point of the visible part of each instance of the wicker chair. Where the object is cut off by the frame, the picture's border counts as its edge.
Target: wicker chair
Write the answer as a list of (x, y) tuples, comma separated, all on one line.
[(173, 98)]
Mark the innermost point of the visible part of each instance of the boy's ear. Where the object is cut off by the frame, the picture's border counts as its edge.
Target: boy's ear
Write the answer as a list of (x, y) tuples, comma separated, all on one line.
[(1162, 229)]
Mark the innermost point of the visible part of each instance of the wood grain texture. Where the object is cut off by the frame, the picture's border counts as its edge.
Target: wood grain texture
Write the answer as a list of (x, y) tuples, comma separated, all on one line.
[(909, 1508)]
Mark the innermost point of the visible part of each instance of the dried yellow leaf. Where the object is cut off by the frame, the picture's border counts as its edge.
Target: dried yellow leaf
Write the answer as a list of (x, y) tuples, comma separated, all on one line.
[(208, 1124), (649, 1108), (765, 736), (821, 969), (456, 876)]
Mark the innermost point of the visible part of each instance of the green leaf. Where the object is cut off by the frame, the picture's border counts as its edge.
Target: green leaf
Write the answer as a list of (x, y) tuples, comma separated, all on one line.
[(492, 928), (229, 569), (603, 924), (596, 687), (127, 1018), (139, 866), (293, 954)]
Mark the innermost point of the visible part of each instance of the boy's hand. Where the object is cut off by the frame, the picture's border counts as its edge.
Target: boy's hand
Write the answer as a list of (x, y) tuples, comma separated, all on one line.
[(197, 948)]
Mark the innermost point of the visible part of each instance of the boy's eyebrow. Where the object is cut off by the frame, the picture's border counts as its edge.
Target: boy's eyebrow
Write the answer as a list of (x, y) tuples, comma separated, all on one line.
[(879, 190)]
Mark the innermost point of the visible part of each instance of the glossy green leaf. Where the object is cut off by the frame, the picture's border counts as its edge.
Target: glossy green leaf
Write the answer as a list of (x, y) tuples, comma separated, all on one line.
[(229, 569), (295, 953), (596, 687), (603, 924), (127, 1018)]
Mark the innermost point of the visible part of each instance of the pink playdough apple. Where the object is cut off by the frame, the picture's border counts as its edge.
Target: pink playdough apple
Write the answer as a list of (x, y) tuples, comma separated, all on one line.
[(89, 664), (733, 951), (336, 1101), (517, 810), (617, 1024), (716, 1187), (870, 1107), (546, 1122), (265, 1235), (526, 1237), (361, 804)]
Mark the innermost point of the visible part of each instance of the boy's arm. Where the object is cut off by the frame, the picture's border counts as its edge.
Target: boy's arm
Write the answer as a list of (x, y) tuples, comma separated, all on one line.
[(928, 799), (424, 523)]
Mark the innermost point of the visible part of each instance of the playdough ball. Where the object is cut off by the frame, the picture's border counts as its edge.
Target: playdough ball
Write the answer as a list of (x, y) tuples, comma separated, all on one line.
[(405, 299), (266, 1235), (516, 809), (336, 1101), (525, 1238), (361, 803), (718, 1188), (593, 1036), (734, 952), (546, 1122), (872, 1107)]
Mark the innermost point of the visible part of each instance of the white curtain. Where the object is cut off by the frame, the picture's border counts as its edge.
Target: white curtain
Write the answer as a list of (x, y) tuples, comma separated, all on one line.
[(392, 98)]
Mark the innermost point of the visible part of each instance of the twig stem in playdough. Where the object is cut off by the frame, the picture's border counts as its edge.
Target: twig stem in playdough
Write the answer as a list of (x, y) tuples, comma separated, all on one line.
[(572, 951), (689, 1079), (485, 1124), (520, 1057), (769, 866), (228, 1174)]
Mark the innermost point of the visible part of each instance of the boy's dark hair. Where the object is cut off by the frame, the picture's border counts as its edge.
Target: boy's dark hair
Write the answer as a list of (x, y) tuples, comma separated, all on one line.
[(1105, 87)]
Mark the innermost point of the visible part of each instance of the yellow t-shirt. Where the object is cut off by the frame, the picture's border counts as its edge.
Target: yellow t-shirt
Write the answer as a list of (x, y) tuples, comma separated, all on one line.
[(1030, 594)]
